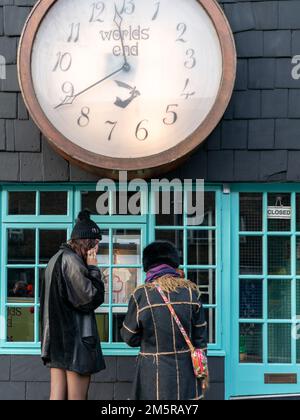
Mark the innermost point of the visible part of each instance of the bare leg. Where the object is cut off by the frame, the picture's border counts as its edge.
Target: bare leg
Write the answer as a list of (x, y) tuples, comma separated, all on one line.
[(58, 385), (78, 386)]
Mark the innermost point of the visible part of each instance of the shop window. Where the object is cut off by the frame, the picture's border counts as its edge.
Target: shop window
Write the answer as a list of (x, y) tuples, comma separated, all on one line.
[(23, 203)]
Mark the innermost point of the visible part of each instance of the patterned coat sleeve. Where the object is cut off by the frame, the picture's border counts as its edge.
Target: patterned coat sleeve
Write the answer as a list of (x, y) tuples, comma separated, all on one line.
[(199, 326), (131, 331)]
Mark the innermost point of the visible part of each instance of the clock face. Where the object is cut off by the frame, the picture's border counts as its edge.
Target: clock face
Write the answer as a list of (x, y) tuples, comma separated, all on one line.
[(126, 78)]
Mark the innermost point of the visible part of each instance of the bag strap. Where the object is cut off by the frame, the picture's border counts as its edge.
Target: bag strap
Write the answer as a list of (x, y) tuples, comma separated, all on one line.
[(174, 315)]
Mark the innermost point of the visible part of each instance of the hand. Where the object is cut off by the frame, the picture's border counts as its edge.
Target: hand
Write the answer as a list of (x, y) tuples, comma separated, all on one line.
[(118, 21), (92, 256), (205, 384), (70, 99)]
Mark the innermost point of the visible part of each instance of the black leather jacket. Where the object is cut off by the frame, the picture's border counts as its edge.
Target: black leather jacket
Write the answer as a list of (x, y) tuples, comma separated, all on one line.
[(70, 294)]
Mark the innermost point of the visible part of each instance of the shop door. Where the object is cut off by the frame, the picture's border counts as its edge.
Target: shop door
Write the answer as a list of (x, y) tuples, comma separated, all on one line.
[(265, 352)]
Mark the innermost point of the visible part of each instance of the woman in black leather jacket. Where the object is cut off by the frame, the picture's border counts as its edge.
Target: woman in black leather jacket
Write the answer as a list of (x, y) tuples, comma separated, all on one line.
[(71, 292)]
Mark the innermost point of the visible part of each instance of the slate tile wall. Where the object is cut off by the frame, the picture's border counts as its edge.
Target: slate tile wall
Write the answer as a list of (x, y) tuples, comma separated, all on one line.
[(25, 378), (257, 140)]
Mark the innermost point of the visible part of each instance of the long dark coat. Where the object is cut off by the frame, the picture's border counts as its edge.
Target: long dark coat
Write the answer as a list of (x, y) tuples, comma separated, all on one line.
[(164, 367), (70, 294)]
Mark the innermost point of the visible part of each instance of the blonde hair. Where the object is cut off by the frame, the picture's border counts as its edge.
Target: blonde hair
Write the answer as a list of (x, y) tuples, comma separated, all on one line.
[(172, 284)]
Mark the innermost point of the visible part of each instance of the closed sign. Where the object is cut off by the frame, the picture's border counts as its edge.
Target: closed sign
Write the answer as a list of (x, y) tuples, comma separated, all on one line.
[(279, 212)]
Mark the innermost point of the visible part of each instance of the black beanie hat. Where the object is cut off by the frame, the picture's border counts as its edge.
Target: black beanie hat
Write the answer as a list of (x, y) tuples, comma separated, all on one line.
[(85, 228), (160, 252)]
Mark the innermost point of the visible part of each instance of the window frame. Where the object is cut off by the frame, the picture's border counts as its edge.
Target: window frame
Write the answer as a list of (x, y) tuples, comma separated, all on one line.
[(146, 220)]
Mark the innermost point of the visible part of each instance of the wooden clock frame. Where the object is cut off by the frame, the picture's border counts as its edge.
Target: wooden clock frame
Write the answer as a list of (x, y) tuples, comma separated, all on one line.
[(143, 167)]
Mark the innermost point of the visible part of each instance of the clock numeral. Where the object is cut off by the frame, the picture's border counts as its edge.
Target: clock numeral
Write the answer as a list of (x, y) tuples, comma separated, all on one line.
[(64, 62), (172, 114), (185, 93), (84, 120), (181, 28), (98, 9), (128, 7), (113, 123), (157, 11), (75, 32), (141, 133), (191, 62), (68, 89)]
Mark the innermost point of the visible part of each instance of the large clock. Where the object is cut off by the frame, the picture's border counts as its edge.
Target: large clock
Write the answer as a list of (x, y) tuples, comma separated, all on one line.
[(130, 85)]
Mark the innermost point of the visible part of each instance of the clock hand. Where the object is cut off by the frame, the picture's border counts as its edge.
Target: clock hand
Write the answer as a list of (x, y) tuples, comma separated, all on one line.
[(118, 21), (70, 99)]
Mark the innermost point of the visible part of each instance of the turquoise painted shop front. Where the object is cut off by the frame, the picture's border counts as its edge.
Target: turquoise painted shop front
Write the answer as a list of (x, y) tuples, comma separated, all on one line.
[(246, 265)]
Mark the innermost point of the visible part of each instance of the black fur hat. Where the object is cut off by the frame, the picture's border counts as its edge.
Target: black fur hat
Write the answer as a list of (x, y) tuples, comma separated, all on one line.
[(160, 252), (85, 228)]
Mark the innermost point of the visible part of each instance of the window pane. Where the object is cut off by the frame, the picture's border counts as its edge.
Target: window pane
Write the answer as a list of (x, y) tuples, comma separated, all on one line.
[(279, 299), (89, 201), (279, 255), (280, 337), (126, 203), (298, 211), (251, 211), (201, 247), (53, 203), (169, 208), (125, 281), (298, 298), (50, 241), (210, 315), (251, 343), (251, 299), (106, 278), (21, 246), (206, 281), (118, 320), (20, 324), (126, 247), (298, 255), (103, 327), (22, 203), (174, 236), (20, 285), (41, 279), (209, 209), (103, 251), (280, 224), (251, 261)]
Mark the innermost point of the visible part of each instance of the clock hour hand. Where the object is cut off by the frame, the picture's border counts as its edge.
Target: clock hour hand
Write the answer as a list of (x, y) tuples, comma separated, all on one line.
[(70, 99), (118, 21)]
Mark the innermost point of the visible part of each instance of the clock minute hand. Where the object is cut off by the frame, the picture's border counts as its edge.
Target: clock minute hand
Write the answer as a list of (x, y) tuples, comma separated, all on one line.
[(118, 21), (70, 99)]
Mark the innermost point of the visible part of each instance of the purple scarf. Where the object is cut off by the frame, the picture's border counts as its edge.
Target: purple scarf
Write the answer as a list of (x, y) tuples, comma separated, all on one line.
[(159, 271)]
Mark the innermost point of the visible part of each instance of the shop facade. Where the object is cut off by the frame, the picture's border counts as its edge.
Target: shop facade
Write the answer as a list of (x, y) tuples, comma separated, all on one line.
[(244, 255)]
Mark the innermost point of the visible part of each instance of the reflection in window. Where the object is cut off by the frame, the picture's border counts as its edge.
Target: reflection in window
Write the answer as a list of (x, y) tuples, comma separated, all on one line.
[(20, 285), (251, 343), (20, 324)]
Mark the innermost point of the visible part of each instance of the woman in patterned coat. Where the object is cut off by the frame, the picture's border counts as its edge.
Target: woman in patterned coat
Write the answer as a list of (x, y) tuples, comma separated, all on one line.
[(164, 367)]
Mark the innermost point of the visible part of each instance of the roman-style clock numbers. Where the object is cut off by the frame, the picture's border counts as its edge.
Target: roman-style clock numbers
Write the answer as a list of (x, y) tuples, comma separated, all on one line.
[(117, 83)]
